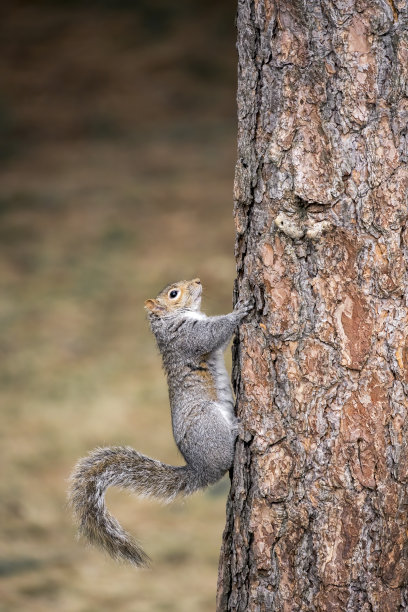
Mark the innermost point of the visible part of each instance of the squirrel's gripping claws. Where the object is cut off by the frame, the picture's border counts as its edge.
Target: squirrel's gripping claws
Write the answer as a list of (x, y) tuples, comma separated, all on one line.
[(244, 307)]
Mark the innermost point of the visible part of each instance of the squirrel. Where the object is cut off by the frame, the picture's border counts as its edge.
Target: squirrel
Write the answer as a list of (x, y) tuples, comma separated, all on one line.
[(202, 409)]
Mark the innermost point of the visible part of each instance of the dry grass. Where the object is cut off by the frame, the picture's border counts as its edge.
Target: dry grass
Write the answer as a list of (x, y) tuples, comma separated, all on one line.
[(118, 153)]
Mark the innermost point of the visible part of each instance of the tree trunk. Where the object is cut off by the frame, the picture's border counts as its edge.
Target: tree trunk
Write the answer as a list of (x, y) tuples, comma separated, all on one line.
[(317, 515)]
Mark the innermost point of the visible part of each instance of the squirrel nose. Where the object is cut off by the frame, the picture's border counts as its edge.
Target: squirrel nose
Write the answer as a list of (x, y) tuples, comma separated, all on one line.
[(197, 280)]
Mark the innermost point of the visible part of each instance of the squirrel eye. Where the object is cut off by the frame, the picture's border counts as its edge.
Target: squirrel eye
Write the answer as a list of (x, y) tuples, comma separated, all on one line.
[(173, 294)]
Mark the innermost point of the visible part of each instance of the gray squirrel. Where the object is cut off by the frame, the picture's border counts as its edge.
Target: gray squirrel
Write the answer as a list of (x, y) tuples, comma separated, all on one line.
[(202, 409)]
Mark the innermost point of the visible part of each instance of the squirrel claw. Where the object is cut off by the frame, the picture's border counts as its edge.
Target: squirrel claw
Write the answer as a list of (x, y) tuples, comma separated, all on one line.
[(245, 307)]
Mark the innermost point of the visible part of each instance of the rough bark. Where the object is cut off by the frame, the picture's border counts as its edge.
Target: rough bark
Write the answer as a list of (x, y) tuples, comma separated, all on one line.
[(317, 515)]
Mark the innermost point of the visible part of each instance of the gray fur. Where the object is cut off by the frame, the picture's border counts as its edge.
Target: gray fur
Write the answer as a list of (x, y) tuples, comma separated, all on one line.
[(204, 427)]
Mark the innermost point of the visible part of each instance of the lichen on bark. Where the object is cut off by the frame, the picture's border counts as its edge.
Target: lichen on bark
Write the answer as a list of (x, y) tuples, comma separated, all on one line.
[(317, 514)]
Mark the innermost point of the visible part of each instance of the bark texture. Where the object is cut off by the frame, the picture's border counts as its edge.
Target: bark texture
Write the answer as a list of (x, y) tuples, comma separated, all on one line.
[(317, 515)]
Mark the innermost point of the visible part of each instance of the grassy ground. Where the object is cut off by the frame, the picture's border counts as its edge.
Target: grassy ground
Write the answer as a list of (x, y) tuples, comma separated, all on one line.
[(117, 150)]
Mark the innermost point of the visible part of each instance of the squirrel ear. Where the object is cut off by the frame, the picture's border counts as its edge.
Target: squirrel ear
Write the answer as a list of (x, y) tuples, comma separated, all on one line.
[(150, 304), (153, 306)]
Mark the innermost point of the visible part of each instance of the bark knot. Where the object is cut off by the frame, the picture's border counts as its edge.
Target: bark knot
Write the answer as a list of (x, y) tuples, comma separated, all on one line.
[(297, 228)]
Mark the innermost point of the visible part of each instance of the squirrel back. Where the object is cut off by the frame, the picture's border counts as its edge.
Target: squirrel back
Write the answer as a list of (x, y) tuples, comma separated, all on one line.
[(204, 426)]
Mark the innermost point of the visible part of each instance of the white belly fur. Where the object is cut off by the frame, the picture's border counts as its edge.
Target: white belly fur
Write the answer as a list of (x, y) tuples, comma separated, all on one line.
[(225, 402), (215, 361)]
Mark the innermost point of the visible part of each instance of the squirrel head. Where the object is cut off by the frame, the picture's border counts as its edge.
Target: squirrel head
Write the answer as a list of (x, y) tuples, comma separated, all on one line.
[(177, 297)]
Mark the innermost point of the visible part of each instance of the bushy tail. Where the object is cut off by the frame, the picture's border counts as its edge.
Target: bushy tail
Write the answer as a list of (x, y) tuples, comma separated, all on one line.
[(126, 468)]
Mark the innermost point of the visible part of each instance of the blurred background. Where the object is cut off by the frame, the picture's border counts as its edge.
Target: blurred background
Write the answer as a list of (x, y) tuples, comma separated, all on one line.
[(117, 150)]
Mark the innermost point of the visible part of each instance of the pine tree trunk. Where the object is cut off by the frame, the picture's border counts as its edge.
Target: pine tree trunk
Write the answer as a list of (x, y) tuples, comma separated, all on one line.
[(317, 515)]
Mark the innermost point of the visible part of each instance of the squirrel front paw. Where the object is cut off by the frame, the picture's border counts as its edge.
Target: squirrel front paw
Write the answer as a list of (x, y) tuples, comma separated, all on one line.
[(244, 307)]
